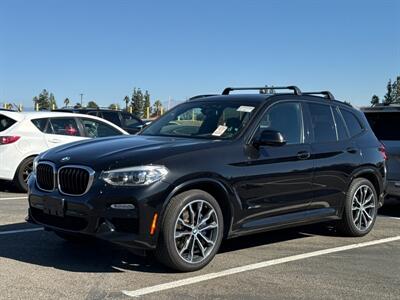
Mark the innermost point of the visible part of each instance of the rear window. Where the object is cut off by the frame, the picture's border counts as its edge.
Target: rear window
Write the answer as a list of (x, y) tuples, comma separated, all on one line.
[(6, 122), (385, 125), (353, 124), (63, 126), (323, 124)]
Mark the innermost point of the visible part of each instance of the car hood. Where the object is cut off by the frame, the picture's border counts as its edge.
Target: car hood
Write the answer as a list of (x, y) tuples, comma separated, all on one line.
[(118, 152)]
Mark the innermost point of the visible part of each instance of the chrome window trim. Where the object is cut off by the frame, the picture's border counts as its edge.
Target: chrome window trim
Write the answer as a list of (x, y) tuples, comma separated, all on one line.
[(90, 182), (53, 166)]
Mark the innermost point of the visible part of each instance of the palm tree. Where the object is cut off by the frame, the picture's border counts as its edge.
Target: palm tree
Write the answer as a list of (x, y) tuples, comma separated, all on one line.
[(126, 100), (66, 102)]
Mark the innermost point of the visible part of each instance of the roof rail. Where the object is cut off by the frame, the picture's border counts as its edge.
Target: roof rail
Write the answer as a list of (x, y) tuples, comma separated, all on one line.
[(327, 94), (201, 96), (294, 88)]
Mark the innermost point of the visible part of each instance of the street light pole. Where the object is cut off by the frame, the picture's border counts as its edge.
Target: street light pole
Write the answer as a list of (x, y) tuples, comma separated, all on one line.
[(81, 99)]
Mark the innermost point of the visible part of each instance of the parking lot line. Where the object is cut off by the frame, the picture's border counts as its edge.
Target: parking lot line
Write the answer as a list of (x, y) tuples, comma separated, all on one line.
[(205, 277), (14, 198), (20, 231)]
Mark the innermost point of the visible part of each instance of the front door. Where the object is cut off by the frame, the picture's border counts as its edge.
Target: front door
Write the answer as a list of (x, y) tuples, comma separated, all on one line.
[(278, 178)]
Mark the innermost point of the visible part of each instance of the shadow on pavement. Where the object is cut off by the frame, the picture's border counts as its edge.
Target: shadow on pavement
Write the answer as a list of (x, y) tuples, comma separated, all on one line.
[(46, 249), (6, 186), (391, 208)]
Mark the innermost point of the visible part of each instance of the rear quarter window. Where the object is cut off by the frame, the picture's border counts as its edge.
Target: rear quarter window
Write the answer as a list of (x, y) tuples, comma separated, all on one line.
[(353, 123), (6, 122), (40, 124)]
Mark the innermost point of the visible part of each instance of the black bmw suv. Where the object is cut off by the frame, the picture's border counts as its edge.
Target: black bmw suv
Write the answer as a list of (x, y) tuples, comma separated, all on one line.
[(215, 167)]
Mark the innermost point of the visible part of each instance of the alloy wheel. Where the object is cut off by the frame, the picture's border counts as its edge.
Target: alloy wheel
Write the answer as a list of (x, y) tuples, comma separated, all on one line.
[(27, 170), (363, 207), (196, 231)]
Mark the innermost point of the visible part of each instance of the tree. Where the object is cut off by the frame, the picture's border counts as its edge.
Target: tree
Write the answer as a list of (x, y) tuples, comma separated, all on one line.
[(137, 102), (66, 102), (147, 103), (157, 107), (126, 100), (374, 100), (43, 100), (78, 105), (113, 106), (388, 98), (52, 101), (92, 104), (396, 90)]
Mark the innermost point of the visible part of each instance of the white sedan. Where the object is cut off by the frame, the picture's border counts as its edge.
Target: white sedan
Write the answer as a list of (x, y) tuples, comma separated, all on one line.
[(25, 135)]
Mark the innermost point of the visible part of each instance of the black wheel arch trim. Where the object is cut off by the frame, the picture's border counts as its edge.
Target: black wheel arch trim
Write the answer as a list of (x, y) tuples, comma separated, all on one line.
[(371, 170), (228, 193)]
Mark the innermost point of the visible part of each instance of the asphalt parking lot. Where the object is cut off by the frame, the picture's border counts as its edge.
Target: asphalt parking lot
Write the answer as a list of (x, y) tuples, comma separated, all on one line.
[(311, 262)]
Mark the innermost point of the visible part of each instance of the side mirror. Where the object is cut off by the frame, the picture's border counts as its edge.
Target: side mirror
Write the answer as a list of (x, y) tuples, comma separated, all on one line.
[(270, 138)]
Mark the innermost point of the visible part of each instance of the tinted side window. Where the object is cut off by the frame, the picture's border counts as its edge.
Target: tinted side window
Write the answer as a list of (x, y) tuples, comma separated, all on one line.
[(352, 122), (285, 118), (130, 120), (40, 123), (322, 123), (340, 126), (385, 125), (95, 129), (112, 116), (63, 126), (94, 113), (6, 122)]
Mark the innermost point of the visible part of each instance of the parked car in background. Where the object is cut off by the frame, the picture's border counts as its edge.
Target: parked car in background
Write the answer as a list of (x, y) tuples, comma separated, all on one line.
[(127, 121), (24, 135), (216, 167), (384, 121)]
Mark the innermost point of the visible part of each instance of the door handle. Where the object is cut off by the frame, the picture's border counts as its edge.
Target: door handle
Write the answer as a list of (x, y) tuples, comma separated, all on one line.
[(352, 150), (303, 155)]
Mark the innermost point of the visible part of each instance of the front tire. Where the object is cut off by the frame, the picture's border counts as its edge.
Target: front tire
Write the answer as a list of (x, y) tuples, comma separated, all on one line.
[(191, 232), (360, 209)]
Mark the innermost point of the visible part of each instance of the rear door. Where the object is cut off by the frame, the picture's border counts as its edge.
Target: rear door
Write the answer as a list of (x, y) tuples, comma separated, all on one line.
[(335, 156), (386, 128), (61, 131)]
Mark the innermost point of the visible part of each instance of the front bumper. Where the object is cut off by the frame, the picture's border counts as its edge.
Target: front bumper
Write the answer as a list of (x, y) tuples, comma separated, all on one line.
[(92, 214)]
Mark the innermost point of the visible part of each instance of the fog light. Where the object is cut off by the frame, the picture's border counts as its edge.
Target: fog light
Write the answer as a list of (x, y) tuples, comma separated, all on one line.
[(123, 206)]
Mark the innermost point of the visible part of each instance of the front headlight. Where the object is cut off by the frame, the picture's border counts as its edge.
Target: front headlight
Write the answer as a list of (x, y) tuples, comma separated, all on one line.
[(141, 175), (35, 163)]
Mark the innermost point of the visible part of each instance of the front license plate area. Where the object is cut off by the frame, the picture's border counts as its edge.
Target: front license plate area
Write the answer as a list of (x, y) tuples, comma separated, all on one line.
[(53, 206)]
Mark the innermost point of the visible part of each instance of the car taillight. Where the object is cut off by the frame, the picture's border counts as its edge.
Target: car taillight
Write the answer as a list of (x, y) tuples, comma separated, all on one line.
[(382, 150), (8, 139)]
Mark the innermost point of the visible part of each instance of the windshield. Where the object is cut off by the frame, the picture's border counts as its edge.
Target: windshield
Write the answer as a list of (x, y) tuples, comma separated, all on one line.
[(222, 120), (385, 125)]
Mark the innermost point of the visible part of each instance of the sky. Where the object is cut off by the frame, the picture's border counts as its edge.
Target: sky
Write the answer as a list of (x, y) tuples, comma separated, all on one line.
[(177, 49)]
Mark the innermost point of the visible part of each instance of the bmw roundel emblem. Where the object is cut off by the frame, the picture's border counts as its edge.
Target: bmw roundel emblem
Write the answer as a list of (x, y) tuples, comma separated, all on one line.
[(67, 158)]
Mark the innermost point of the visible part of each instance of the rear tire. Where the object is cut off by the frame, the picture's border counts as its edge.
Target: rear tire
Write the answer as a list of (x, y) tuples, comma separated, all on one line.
[(191, 232), (21, 176), (360, 209)]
